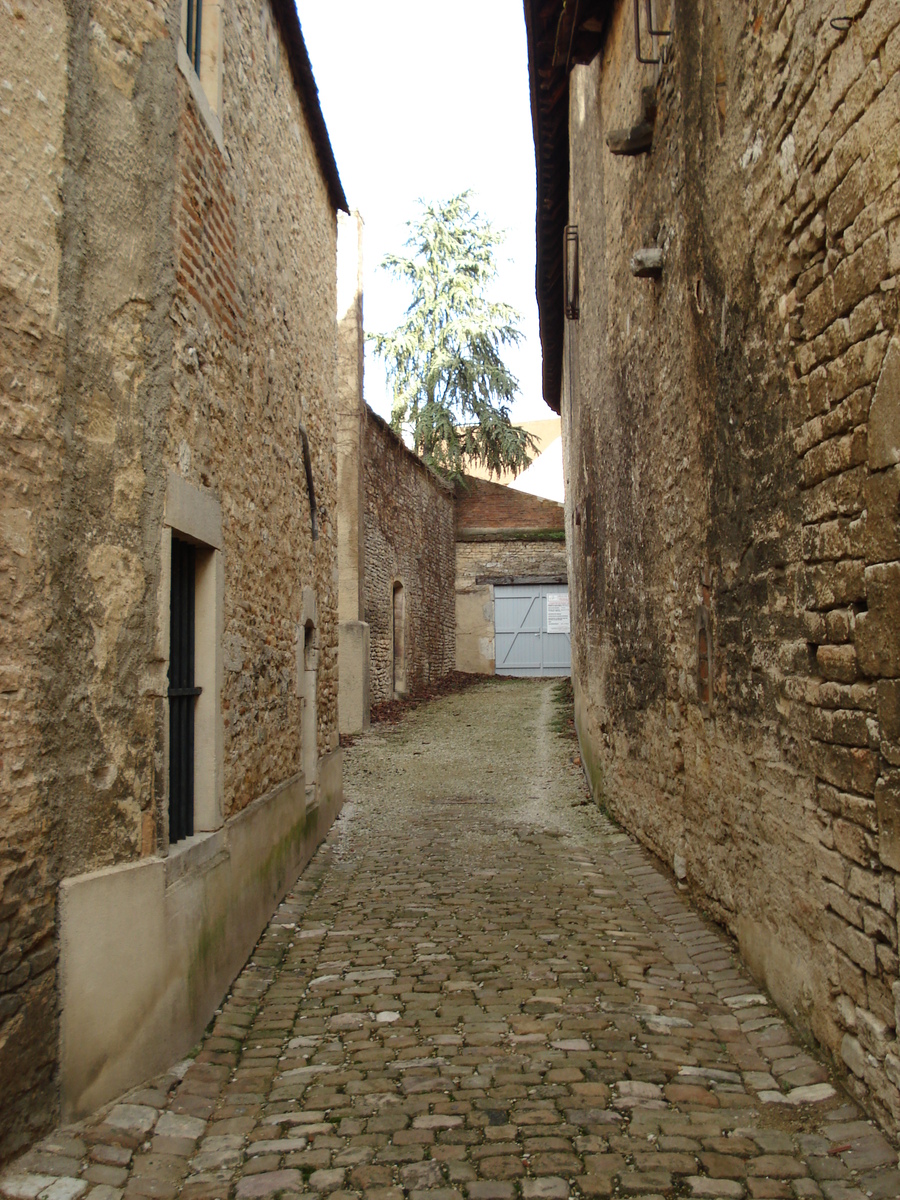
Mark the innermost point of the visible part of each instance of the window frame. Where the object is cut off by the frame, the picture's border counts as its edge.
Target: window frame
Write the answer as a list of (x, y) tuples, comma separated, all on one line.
[(194, 515), (201, 63)]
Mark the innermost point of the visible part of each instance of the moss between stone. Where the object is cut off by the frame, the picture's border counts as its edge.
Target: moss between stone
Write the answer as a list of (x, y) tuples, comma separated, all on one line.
[(511, 535)]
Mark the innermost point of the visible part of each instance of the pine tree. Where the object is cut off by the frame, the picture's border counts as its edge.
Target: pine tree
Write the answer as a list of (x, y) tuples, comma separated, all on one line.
[(451, 388)]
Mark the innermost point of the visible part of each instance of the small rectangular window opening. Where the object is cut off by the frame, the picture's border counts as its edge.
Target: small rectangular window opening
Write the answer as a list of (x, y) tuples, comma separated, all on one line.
[(182, 692), (571, 273), (194, 30)]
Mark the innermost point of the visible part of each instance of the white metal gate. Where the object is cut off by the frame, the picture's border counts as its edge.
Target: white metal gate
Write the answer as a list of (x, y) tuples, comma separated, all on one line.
[(525, 642)]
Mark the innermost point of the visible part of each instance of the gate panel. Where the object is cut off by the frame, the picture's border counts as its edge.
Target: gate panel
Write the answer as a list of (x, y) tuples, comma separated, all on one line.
[(522, 644), (517, 630)]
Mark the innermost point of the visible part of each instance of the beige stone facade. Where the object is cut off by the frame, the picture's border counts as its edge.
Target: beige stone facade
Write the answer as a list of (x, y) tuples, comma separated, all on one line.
[(480, 566), (168, 296), (510, 560), (730, 422)]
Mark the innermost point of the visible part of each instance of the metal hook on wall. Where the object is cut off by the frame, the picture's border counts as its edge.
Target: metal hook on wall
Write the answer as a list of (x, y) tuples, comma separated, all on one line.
[(653, 32)]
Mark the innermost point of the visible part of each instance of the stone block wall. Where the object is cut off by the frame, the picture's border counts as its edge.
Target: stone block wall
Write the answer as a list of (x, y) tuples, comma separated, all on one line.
[(509, 559), (33, 65), (167, 305), (731, 439), (482, 562), (409, 540)]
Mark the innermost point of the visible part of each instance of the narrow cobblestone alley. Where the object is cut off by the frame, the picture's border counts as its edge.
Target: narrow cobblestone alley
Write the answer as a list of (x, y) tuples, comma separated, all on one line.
[(480, 987)]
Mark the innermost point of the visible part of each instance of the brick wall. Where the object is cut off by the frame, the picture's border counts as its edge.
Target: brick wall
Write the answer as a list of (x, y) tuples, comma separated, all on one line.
[(409, 520), (484, 505), (205, 222), (731, 436)]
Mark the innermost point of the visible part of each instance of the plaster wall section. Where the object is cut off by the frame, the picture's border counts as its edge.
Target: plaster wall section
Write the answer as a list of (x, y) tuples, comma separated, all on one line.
[(731, 442), (33, 65), (104, 700), (350, 418), (409, 533)]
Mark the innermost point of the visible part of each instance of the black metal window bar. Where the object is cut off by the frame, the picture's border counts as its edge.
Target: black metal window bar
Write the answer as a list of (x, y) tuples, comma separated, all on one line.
[(637, 31), (182, 693), (194, 27), (571, 272)]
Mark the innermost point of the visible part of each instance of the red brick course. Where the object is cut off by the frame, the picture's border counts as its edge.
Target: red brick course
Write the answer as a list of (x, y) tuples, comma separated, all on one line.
[(485, 505)]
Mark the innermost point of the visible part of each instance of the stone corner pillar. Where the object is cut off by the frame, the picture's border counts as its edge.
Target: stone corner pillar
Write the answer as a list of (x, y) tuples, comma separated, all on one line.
[(353, 676)]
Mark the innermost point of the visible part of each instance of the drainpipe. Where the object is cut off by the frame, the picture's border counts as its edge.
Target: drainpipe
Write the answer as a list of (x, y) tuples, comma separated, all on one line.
[(307, 467)]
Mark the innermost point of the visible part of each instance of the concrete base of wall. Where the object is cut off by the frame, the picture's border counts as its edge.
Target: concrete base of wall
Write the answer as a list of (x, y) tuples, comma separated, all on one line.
[(475, 629), (353, 676), (147, 950)]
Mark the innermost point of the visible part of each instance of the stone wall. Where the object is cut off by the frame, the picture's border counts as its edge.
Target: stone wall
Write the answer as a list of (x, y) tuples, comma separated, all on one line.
[(511, 559), (33, 65), (732, 443), (410, 528), (168, 309)]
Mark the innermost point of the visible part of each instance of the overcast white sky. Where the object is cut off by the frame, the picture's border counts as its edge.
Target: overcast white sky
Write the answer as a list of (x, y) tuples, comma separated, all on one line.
[(425, 100)]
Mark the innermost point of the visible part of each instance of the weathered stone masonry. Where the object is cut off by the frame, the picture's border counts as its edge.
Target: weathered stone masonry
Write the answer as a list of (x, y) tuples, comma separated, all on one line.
[(167, 290), (257, 361), (409, 544), (33, 65), (732, 441)]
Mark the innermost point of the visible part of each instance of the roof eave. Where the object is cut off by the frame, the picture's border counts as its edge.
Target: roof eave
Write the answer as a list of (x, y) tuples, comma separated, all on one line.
[(285, 14), (559, 36)]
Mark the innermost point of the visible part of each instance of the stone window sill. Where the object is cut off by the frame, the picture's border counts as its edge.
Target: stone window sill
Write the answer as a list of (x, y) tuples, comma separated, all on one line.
[(200, 852)]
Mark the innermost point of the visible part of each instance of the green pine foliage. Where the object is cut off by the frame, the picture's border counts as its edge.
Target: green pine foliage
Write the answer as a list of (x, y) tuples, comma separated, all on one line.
[(451, 388)]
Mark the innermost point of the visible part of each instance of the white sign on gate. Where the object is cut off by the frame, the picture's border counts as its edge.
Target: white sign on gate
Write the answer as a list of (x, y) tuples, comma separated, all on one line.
[(557, 612)]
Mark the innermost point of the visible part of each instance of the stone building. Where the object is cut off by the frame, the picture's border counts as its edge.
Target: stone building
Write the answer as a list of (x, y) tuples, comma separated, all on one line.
[(505, 539), (168, 203), (718, 261)]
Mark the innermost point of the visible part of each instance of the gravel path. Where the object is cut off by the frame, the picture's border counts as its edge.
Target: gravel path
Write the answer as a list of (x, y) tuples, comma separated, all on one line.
[(480, 987)]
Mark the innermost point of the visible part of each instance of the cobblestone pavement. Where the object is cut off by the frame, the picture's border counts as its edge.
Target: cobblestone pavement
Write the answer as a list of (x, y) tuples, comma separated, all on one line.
[(480, 987)]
